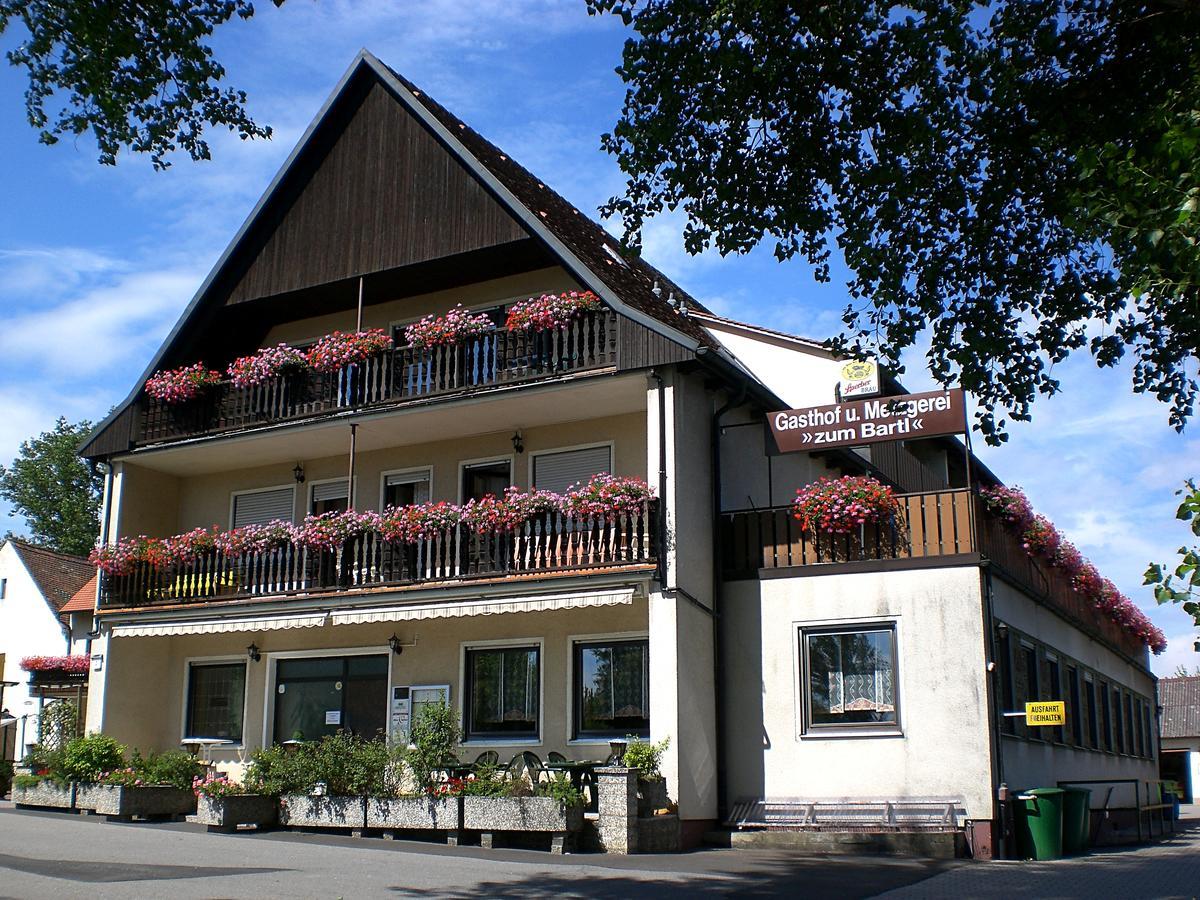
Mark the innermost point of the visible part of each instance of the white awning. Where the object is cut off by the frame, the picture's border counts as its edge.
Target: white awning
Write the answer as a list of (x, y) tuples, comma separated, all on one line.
[(482, 607), (221, 626)]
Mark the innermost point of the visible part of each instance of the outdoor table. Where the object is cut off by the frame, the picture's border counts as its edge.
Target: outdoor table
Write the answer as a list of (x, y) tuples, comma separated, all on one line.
[(459, 769), (582, 774), (202, 748)]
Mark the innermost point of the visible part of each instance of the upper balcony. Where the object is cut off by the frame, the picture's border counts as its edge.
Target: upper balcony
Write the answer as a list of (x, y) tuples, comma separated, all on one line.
[(933, 528), (399, 377)]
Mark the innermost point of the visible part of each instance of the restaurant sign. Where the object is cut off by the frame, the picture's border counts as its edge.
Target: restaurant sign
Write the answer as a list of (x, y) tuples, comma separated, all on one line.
[(908, 417), (860, 378)]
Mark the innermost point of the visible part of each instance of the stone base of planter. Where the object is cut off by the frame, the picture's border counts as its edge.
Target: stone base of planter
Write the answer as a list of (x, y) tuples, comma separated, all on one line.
[(426, 813), (302, 811), (227, 813), (544, 815), (652, 795), (46, 795), (118, 801), (659, 834)]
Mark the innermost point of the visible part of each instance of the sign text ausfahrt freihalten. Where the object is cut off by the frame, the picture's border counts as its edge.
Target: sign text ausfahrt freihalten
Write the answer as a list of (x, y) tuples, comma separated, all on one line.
[(908, 417)]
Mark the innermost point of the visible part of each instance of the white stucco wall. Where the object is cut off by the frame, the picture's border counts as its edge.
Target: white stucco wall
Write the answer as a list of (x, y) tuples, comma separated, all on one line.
[(27, 628), (944, 747), (799, 376)]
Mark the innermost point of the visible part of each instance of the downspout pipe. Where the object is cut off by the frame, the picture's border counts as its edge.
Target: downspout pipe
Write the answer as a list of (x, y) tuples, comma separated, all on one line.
[(662, 476)]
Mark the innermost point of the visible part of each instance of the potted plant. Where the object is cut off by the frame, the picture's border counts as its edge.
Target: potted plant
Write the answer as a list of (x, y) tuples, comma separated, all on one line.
[(223, 804), (550, 311), (428, 805), (155, 785), (182, 385), (325, 783), (553, 807), (267, 363), (454, 327), (646, 757), (844, 505), (340, 349)]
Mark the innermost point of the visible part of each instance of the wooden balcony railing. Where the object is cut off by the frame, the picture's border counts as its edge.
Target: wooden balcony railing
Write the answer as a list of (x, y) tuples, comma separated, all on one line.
[(551, 543), (932, 524), (405, 373)]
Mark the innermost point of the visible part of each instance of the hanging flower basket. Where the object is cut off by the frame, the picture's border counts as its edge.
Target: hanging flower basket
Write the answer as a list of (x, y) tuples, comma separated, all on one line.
[(181, 385), (550, 311), (843, 505), (343, 348), (1010, 505), (457, 325), (248, 371)]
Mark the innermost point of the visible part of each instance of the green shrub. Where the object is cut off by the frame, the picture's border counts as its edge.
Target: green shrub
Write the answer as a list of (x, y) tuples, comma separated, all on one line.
[(175, 768), (27, 781), (87, 758), (42, 760), (435, 737), (561, 789), (275, 770), (646, 757), (489, 781), (347, 765)]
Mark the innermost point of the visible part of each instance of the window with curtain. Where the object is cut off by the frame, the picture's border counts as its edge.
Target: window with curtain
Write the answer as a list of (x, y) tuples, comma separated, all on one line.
[(850, 677), (260, 507), (612, 689), (216, 700), (558, 471), (406, 488), (503, 692)]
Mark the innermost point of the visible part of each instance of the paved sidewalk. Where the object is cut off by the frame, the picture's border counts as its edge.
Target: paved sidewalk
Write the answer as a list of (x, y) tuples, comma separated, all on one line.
[(1167, 868)]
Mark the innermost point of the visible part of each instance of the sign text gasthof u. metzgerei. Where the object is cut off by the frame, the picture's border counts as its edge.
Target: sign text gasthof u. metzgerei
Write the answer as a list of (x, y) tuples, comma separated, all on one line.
[(906, 417)]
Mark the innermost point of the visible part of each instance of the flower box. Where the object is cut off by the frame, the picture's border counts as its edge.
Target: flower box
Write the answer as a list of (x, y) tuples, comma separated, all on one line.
[(652, 795), (431, 813), (538, 814), (233, 810), (144, 801), (303, 811), (45, 793)]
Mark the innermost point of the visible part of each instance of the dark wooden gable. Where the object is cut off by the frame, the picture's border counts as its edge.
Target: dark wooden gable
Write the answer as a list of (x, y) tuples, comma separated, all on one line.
[(384, 194)]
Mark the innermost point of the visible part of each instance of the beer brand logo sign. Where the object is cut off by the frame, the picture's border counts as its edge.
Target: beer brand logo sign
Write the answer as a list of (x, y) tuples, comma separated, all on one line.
[(906, 417), (860, 378)]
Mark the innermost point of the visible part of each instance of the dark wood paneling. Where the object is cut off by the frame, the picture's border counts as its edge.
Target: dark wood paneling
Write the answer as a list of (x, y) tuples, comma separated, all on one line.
[(116, 438), (904, 469), (386, 194), (640, 348)]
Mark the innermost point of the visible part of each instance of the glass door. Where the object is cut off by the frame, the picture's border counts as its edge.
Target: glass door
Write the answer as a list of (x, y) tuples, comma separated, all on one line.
[(321, 695)]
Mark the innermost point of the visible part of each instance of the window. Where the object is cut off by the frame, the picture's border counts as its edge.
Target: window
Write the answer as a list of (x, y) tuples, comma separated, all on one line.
[(851, 677), (329, 496), (1149, 731), (260, 507), (558, 471), (612, 689), (1075, 711), (1106, 717), (503, 692), (1093, 721), (1032, 690), (406, 488), (483, 478), (216, 701), (1056, 693), (1117, 724), (321, 695), (3, 588), (1006, 683), (1130, 747), (1136, 715)]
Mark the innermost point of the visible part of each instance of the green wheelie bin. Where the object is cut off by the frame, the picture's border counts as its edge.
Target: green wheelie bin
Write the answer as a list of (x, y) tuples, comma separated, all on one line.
[(1039, 822), (1076, 819)]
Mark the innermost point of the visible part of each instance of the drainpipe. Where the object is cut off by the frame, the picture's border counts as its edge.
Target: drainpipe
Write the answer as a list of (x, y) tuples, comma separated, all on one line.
[(991, 667), (662, 477)]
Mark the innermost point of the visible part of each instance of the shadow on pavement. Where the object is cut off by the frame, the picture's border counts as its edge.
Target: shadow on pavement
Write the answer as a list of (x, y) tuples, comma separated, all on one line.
[(97, 872)]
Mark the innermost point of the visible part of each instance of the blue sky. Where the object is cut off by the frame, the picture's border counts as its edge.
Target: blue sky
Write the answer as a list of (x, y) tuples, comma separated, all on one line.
[(96, 263)]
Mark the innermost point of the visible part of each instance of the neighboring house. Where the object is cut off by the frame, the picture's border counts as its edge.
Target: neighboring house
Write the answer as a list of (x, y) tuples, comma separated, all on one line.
[(35, 586), (693, 617), (1179, 731)]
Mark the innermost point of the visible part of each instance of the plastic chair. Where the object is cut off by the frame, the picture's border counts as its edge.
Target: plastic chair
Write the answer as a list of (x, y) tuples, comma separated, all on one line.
[(487, 758), (533, 765), (555, 757), (516, 767)]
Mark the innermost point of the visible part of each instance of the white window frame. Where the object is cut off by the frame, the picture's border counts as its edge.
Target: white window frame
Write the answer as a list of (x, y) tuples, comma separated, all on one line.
[(515, 643), (463, 464), (312, 487), (270, 659), (411, 470), (233, 495), (533, 454), (187, 687), (572, 640), (800, 683)]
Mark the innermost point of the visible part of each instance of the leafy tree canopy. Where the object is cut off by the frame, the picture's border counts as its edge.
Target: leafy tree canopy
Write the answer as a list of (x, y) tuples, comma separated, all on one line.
[(1181, 583), (137, 75), (54, 490), (1019, 177)]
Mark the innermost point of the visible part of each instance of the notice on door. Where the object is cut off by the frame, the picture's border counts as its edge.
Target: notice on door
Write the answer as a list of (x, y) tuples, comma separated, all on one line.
[(333, 717), (1046, 712), (908, 417)]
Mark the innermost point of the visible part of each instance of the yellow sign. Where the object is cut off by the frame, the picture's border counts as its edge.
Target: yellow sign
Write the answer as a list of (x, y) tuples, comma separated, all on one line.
[(860, 378), (1047, 712)]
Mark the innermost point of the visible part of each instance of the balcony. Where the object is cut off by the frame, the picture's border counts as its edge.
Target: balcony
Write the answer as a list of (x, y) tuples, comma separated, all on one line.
[(552, 544), (399, 376), (933, 528)]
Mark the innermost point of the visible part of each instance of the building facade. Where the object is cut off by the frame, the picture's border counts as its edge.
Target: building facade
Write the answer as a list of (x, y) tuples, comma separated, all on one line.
[(1179, 698)]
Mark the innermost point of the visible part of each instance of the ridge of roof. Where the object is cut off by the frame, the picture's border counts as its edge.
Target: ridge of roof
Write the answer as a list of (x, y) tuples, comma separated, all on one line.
[(708, 316), (58, 576)]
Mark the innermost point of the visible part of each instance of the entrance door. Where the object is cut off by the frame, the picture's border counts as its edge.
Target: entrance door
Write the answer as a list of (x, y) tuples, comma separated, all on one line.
[(321, 695)]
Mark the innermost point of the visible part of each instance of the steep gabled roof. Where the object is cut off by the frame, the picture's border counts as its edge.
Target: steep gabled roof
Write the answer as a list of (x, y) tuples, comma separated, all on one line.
[(58, 576), (629, 285), (84, 599), (1180, 702)]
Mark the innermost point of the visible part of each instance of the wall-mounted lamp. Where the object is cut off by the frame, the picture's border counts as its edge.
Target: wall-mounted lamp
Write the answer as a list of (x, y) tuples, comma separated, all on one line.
[(253, 653), (298, 473), (394, 643), (618, 748), (518, 442)]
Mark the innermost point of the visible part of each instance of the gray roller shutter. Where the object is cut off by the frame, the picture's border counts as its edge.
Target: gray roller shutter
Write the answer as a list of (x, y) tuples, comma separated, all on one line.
[(260, 507), (558, 471), (330, 490)]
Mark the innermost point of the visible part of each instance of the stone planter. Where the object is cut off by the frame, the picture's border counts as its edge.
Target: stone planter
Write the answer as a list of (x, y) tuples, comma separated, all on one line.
[(46, 794), (520, 814), (228, 812), (144, 802), (303, 811), (431, 813), (652, 795)]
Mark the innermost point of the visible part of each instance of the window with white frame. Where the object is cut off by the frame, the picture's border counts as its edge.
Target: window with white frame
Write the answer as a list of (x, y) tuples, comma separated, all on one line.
[(503, 692), (612, 688), (557, 470), (216, 700), (406, 488), (260, 507), (849, 677), (329, 496)]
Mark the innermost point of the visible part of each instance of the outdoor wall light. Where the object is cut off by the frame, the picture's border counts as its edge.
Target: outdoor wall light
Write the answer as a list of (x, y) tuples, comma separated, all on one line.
[(253, 653), (298, 473), (518, 442), (394, 643), (618, 749)]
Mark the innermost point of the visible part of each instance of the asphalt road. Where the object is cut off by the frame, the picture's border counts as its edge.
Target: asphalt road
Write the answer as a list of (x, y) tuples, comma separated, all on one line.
[(56, 855)]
